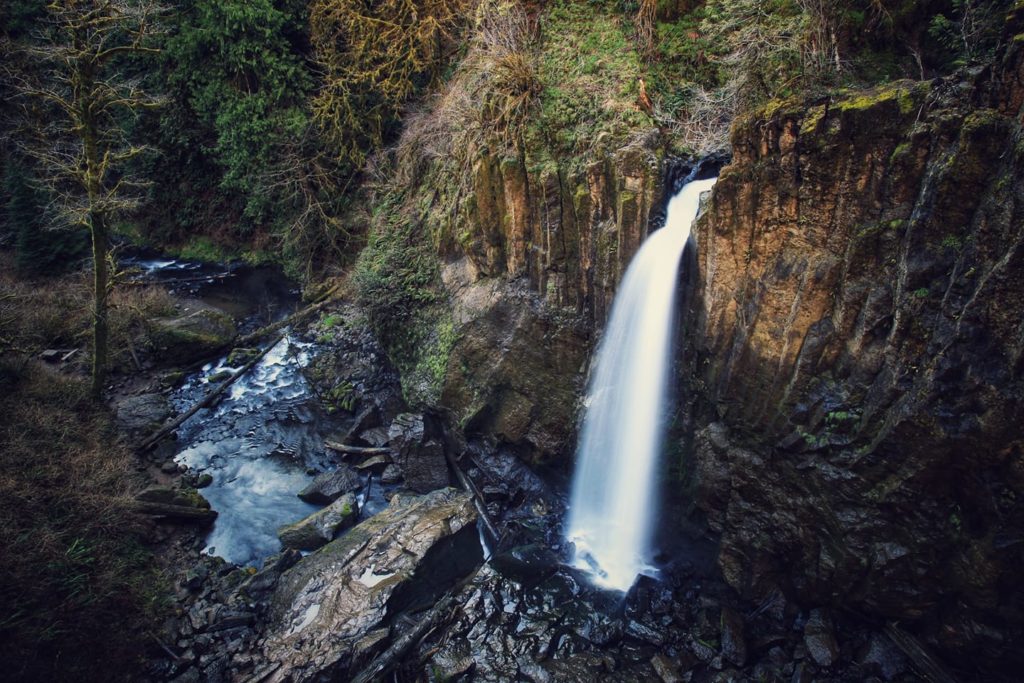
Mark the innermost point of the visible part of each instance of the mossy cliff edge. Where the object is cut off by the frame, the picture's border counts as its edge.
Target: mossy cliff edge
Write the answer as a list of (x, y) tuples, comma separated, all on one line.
[(860, 379)]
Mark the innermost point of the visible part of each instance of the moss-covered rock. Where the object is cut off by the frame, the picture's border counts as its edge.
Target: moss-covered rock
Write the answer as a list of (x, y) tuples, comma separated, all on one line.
[(322, 526), (196, 332)]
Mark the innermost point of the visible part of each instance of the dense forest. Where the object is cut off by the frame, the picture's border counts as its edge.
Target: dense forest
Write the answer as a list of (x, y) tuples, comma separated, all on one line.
[(457, 188)]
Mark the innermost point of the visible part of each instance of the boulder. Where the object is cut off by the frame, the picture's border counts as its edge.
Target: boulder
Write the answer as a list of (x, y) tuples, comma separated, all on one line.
[(734, 643), (329, 486), (198, 332), (326, 606), (419, 455), (142, 413), (166, 495), (820, 639), (182, 505), (321, 526)]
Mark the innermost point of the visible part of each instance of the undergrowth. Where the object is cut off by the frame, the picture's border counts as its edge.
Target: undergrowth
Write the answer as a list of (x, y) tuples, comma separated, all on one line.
[(79, 591), (47, 313), (398, 285)]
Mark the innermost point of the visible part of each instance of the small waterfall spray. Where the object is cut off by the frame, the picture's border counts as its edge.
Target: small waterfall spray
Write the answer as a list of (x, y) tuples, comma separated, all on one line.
[(613, 493)]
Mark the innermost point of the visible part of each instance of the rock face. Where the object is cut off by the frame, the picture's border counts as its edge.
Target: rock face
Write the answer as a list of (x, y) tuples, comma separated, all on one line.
[(862, 265), (321, 526), (328, 611), (531, 274)]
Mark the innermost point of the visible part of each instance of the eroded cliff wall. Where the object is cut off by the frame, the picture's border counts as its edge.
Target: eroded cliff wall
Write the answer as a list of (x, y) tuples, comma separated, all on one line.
[(531, 272), (862, 336)]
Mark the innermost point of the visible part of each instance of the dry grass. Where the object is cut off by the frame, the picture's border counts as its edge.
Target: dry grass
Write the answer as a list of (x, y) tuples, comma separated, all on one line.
[(38, 314), (78, 588)]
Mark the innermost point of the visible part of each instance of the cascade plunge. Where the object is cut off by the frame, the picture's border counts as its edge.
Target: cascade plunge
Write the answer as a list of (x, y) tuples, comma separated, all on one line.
[(613, 493)]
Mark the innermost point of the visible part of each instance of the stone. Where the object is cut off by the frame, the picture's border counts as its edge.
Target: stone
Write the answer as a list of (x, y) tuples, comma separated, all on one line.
[(666, 669), (204, 480), (142, 413), (392, 474), (527, 565), (883, 657), (321, 526), (407, 554), (198, 331), (329, 486), (734, 644), (420, 457), (241, 355), (820, 639), (166, 495)]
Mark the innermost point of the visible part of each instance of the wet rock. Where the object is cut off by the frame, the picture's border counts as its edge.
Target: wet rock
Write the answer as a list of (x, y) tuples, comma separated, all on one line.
[(219, 376), (645, 633), (203, 480), (666, 669), (392, 474), (449, 663), (881, 656), (142, 413), (241, 355), (734, 644), (178, 505), (527, 565), (335, 597), (376, 463), (260, 585), (321, 526), (195, 577), (198, 332), (329, 486), (419, 455), (820, 639), (376, 437), (166, 495)]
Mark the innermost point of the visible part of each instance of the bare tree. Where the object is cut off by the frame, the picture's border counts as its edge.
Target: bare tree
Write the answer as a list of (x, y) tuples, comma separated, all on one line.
[(76, 95)]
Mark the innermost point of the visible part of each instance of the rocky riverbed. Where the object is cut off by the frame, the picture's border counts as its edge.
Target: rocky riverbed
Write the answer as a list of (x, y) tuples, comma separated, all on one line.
[(329, 540)]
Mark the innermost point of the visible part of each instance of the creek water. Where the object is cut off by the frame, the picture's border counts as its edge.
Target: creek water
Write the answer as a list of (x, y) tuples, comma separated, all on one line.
[(613, 501), (264, 439)]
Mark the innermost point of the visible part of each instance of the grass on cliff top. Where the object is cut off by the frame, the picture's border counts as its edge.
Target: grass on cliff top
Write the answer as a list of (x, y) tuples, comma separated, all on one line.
[(79, 591), (590, 73)]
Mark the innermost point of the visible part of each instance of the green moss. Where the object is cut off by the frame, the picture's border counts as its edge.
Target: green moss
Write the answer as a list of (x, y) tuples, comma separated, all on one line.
[(812, 119), (341, 396), (202, 249), (590, 73), (901, 150), (906, 95)]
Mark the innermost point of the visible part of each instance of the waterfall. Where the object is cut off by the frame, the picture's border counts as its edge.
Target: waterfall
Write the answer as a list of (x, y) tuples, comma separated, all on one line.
[(613, 494)]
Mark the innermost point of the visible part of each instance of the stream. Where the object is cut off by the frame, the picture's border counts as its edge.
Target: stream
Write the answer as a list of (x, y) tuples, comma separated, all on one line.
[(263, 441)]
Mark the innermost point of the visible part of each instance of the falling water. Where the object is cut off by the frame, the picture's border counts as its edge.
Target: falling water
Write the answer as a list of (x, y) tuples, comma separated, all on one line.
[(613, 497)]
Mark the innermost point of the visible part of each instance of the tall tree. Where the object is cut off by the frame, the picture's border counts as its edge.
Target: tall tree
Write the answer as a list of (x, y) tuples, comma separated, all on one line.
[(78, 87)]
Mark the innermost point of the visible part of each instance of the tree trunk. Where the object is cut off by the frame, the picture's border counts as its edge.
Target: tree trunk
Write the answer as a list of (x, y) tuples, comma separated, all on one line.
[(100, 327)]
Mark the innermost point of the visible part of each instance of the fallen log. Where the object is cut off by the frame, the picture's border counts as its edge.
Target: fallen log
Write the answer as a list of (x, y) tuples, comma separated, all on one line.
[(391, 657), (357, 450), (924, 662), (290, 320), (478, 499), (182, 512), (206, 400)]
